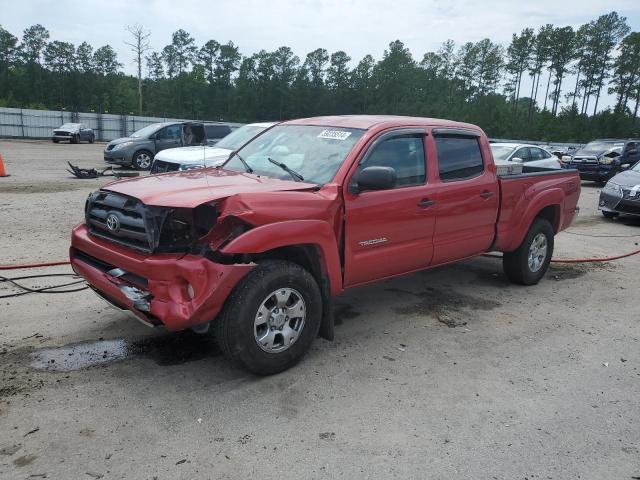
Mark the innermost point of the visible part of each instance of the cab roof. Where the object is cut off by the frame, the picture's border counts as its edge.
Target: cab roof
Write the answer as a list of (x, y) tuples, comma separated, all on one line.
[(366, 122)]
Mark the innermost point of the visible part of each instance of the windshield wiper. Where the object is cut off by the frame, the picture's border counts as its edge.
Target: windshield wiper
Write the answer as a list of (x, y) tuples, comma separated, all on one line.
[(247, 168), (296, 176)]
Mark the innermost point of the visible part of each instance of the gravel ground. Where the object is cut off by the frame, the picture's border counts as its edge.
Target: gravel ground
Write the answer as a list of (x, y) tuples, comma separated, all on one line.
[(448, 374)]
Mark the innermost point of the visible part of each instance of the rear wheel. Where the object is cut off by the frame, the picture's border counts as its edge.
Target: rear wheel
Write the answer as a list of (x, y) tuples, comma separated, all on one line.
[(528, 264), (610, 215), (271, 318), (142, 160)]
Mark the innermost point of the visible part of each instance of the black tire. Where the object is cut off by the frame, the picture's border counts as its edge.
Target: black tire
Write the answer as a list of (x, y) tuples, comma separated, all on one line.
[(75, 139), (234, 328), (516, 264), (55, 140), (139, 160), (92, 138), (610, 215)]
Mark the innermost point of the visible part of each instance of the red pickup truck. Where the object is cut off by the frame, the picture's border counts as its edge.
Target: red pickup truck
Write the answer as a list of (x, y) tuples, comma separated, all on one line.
[(309, 208)]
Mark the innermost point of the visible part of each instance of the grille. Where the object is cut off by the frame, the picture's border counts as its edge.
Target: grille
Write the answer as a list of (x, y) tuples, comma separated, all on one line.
[(629, 194), (129, 226), (60, 132), (628, 208), (160, 166), (580, 160)]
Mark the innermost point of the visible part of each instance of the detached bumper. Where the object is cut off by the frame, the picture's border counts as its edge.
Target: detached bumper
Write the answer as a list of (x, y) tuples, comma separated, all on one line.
[(155, 288)]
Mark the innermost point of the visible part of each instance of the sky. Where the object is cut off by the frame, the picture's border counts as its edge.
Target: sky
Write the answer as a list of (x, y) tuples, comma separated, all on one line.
[(358, 27)]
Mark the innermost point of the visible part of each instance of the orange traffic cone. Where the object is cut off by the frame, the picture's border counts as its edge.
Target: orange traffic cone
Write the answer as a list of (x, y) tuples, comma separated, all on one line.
[(3, 172)]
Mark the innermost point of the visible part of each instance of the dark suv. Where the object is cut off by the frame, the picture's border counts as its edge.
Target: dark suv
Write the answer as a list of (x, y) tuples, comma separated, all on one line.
[(600, 160)]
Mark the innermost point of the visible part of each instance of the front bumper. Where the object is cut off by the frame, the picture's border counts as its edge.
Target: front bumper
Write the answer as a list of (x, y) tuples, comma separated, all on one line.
[(118, 157), (154, 288), (612, 202), (597, 172), (59, 136)]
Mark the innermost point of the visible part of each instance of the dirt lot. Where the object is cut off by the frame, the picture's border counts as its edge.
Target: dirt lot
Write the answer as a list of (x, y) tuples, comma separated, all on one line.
[(447, 374)]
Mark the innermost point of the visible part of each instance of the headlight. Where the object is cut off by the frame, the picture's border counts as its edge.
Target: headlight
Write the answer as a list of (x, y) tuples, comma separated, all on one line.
[(613, 188), (604, 160), (184, 168), (122, 145), (565, 158)]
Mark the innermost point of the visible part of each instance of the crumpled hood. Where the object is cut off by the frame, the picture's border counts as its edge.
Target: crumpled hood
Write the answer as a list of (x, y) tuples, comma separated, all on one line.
[(212, 156), (627, 178), (583, 152), (192, 188)]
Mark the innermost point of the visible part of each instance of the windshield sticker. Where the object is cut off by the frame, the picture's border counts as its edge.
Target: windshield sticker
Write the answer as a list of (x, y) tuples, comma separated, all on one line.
[(334, 134)]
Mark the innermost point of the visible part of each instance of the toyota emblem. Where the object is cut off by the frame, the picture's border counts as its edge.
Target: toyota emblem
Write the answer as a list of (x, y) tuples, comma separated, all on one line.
[(113, 223)]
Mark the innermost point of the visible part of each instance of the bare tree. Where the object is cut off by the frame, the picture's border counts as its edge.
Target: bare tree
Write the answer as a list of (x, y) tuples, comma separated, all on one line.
[(139, 45)]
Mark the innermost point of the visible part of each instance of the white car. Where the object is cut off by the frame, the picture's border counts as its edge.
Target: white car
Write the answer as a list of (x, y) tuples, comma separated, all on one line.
[(530, 155), (189, 158)]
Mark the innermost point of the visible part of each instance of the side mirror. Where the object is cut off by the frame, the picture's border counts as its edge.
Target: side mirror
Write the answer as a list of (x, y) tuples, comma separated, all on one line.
[(376, 178), (517, 160)]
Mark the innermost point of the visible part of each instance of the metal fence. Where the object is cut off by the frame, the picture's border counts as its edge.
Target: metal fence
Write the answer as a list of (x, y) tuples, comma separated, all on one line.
[(28, 123)]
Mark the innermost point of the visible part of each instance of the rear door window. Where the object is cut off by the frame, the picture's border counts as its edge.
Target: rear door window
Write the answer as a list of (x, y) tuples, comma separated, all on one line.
[(217, 131), (458, 157)]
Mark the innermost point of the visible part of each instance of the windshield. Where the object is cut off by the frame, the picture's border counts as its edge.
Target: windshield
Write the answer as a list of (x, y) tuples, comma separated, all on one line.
[(600, 146), (146, 131), (501, 152), (70, 125), (239, 137), (636, 167), (316, 153)]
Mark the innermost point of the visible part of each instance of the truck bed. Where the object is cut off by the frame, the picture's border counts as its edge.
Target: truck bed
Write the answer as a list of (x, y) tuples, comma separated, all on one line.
[(524, 196)]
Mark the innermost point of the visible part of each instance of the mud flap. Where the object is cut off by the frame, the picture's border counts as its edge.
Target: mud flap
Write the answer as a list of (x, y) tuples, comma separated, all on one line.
[(328, 318)]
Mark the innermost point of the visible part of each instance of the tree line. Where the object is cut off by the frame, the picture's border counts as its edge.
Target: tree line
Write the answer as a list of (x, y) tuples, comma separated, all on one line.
[(569, 71)]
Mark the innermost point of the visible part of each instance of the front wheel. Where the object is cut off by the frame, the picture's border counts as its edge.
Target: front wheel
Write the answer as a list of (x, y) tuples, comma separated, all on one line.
[(92, 138), (528, 264), (271, 318), (142, 160), (75, 139), (610, 215)]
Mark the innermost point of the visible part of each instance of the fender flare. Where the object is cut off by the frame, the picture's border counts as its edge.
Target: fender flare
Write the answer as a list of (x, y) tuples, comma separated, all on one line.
[(544, 199), (292, 233)]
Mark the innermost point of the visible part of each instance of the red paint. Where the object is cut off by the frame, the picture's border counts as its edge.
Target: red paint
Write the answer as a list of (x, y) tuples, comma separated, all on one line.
[(383, 233)]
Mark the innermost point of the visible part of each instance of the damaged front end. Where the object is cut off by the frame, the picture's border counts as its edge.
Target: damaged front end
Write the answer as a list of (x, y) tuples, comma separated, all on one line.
[(158, 262)]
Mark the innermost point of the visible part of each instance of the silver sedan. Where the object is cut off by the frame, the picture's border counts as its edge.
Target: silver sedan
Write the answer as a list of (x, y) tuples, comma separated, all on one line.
[(530, 155)]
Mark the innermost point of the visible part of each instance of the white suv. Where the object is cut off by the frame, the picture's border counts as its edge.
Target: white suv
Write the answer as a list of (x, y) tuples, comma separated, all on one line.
[(188, 158)]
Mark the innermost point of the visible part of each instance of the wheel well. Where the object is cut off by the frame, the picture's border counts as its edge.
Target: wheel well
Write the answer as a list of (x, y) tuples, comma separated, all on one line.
[(307, 256), (552, 215)]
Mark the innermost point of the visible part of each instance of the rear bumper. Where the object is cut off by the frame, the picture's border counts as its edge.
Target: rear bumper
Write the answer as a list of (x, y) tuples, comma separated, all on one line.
[(154, 288)]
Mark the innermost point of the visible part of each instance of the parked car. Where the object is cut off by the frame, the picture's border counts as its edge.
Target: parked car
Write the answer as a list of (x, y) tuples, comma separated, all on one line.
[(189, 158), (74, 133), (139, 149), (258, 247), (531, 155), (602, 159), (621, 194)]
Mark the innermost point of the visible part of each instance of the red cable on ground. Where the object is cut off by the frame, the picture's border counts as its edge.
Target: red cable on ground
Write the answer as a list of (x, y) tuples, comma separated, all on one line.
[(580, 260), (553, 260), (33, 265)]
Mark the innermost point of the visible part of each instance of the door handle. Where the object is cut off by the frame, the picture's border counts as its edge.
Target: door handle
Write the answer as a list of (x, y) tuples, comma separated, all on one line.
[(486, 194), (425, 203)]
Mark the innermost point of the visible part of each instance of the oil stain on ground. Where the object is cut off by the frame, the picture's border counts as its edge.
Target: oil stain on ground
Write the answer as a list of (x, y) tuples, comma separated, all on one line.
[(448, 306), (344, 312), (165, 350)]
